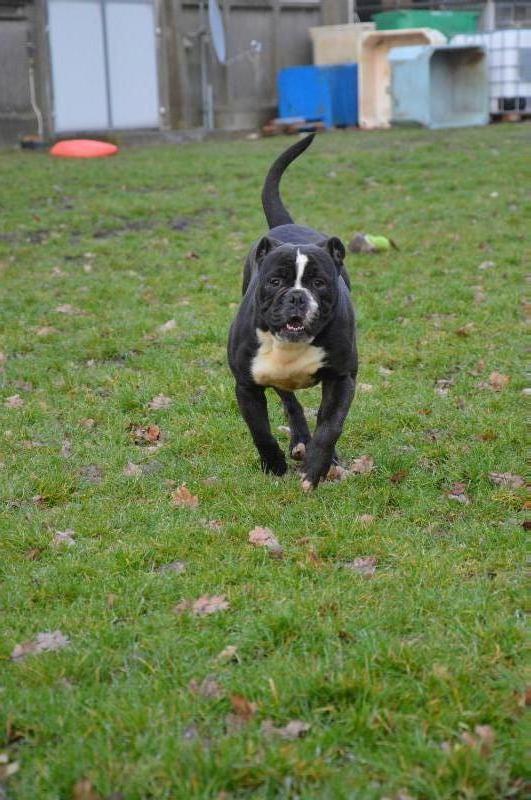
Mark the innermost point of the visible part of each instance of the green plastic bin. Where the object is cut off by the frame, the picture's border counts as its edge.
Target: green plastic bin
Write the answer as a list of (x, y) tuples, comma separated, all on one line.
[(448, 22)]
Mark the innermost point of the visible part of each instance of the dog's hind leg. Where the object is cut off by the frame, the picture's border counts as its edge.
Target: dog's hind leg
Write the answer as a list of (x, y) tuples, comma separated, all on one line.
[(300, 433), (253, 406)]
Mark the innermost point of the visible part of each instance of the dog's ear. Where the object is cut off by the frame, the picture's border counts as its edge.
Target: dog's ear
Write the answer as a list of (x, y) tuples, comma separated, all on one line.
[(336, 249), (264, 246)]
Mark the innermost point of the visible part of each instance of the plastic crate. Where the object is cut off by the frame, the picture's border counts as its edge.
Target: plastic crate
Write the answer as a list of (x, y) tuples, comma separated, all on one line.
[(324, 94), (509, 64), (375, 73), (338, 44), (439, 87), (448, 22)]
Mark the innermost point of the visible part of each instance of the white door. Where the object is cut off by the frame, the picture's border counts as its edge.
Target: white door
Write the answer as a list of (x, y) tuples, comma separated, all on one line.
[(104, 64)]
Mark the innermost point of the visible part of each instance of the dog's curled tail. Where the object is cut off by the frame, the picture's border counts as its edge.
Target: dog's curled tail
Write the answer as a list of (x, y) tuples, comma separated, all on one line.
[(274, 209)]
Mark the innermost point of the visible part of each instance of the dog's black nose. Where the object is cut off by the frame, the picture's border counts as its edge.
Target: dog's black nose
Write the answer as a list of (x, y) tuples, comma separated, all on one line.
[(297, 300)]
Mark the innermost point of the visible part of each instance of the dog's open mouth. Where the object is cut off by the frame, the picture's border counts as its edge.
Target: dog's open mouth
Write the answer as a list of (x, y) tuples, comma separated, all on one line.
[(294, 325)]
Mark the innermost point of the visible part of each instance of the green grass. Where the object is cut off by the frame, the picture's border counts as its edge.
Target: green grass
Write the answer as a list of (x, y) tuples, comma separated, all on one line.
[(385, 670)]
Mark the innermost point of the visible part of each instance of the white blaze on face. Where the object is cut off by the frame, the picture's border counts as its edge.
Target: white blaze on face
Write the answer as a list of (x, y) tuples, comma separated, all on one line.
[(300, 263)]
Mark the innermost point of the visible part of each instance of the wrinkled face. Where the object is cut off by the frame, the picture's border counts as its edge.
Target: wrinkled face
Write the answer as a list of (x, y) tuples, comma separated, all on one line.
[(297, 292)]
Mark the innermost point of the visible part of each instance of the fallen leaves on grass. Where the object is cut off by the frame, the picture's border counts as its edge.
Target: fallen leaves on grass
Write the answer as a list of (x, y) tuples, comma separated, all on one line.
[(91, 473), (159, 402), (209, 687), (229, 653), (362, 465), (295, 729), (507, 480), (132, 470), (183, 498), (264, 537), (84, 790), (398, 476), (214, 525), (497, 382), (203, 606), (481, 740), (366, 519), (442, 386), (465, 330), (177, 567), (457, 492), (15, 401), (66, 449), (70, 310), (145, 434), (42, 643), (7, 768), (365, 565), (336, 473), (46, 330), (365, 387), (170, 325), (64, 538), (479, 294), (210, 605), (486, 265), (242, 713)]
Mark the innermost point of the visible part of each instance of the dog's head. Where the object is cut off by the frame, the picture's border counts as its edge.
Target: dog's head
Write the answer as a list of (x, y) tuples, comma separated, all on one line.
[(297, 286)]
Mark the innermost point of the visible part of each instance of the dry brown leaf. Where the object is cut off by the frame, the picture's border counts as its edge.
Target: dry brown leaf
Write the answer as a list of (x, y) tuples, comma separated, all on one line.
[(87, 423), (33, 553), (399, 476), (366, 519), (210, 605), (167, 326), (457, 492), (385, 371), (64, 538), (482, 739), (160, 401), (293, 730), (507, 480), (66, 449), (209, 687), (486, 265), (364, 387), (465, 330), (7, 769), (214, 525), (242, 707), (177, 567), (362, 465), (42, 643), (69, 310), (132, 470), (479, 294), (91, 473), (337, 473), (46, 330), (443, 385), (498, 381), (182, 607), (15, 401), (487, 436), (229, 653), (183, 498), (145, 434), (84, 790), (365, 565), (264, 537)]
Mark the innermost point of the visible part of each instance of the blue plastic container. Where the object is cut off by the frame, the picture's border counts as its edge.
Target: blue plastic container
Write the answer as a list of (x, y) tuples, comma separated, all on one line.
[(439, 86), (320, 94)]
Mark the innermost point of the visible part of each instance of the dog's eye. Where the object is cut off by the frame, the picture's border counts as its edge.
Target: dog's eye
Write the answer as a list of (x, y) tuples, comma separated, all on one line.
[(318, 283), (275, 281)]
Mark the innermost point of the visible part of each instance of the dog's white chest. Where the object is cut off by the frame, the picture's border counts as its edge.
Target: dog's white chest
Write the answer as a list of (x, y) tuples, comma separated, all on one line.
[(285, 365)]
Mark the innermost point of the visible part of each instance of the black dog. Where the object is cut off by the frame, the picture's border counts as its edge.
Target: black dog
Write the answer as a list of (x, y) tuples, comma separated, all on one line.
[(295, 328)]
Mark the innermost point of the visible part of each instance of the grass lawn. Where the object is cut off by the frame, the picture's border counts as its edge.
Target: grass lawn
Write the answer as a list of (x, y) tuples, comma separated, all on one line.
[(391, 672)]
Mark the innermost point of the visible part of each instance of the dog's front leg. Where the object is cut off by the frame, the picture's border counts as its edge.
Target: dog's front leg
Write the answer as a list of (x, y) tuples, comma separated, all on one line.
[(253, 406), (337, 397)]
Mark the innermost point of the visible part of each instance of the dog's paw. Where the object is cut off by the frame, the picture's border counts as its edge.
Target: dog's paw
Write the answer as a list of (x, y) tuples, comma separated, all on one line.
[(274, 464), (298, 452)]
